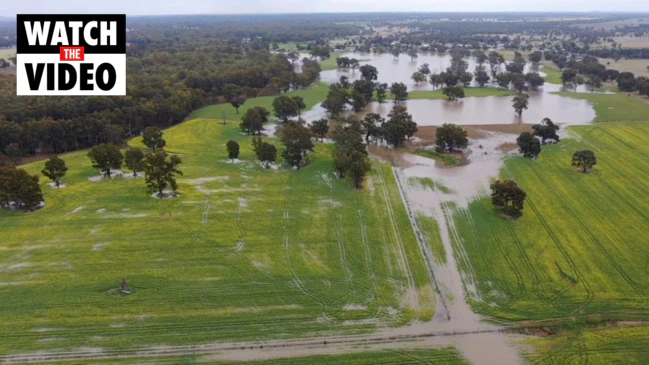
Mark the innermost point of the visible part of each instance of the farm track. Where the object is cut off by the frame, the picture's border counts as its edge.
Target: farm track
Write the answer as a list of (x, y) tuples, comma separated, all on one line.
[(314, 346)]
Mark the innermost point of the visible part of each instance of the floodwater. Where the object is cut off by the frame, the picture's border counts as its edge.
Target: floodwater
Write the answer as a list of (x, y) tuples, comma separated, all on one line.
[(401, 69), (468, 111)]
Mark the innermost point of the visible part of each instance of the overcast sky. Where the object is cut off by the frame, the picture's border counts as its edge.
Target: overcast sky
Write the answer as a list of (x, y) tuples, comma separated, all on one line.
[(163, 7)]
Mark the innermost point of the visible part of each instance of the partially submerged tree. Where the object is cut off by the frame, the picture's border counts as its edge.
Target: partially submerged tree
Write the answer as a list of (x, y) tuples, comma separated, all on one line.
[(546, 130), (266, 153), (372, 123), (369, 73), (453, 92), (297, 140), (253, 121), (320, 128), (134, 160), (481, 75), (399, 91), (381, 92), (106, 157), (152, 138), (418, 77), (585, 159), (505, 192), (528, 145), (160, 172), (520, 103), (335, 101), (285, 107), (19, 189), (451, 137), (399, 126), (55, 169), (232, 147)]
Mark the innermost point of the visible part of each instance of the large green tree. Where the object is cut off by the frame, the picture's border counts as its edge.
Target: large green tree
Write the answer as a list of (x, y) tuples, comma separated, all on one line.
[(55, 169), (232, 147), (399, 91), (19, 189), (451, 137), (350, 154), (528, 145), (134, 160), (106, 157), (504, 193), (297, 142), (152, 138), (399, 126), (253, 121), (369, 73), (160, 172), (320, 128), (285, 107), (585, 159), (520, 103), (546, 130)]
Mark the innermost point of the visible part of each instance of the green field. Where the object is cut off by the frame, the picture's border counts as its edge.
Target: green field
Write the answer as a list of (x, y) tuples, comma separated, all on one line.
[(468, 92), (622, 345), (553, 75), (330, 63), (244, 254), (580, 247), (312, 95), (618, 107)]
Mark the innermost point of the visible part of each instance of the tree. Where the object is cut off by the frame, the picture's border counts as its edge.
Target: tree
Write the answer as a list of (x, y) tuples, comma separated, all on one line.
[(299, 104), (504, 79), (232, 147), (160, 172), (266, 153), (297, 140), (9, 133), (534, 80), (234, 95), (320, 128), (399, 91), (425, 69), (453, 92), (481, 75), (418, 77), (505, 192), (372, 123), (585, 159), (520, 103), (495, 59), (285, 107), (350, 154), (253, 121), (55, 169), (335, 101), (528, 145), (381, 92), (152, 138), (535, 57), (369, 73), (106, 157), (451, 137), (399, 126), (435, 80), (134, 160), (19, 189), (546, 130), (568, 76)]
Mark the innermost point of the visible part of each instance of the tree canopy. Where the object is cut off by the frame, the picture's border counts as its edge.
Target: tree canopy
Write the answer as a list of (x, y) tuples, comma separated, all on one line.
[(585, 159), (55, 169), (451, 137)]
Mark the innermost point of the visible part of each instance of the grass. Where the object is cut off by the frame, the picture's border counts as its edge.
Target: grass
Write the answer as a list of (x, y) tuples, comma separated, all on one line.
[(330, 63), (312, 95), (620, 345), (552, 75), (618, 107), (468, 92), (244, 254), (588, 229), (448, 160)]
